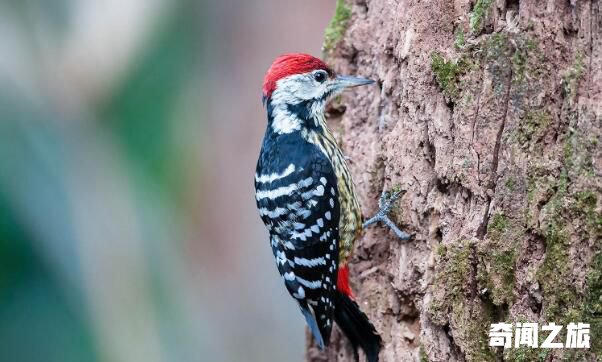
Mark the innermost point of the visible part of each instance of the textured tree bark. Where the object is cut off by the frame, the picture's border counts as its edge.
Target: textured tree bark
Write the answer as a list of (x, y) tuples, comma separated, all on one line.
[(489, 114)]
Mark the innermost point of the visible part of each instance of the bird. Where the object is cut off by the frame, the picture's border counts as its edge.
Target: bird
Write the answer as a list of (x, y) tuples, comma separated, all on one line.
[(306, 199)]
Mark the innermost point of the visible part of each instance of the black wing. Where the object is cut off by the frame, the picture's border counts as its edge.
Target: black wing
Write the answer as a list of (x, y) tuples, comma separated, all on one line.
[(298, 203)]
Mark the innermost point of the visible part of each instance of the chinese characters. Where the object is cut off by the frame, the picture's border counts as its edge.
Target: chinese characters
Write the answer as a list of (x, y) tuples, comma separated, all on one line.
[(527, 335)]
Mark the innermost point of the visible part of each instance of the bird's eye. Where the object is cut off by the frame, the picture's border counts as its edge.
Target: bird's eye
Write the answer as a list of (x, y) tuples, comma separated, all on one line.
[(320, 76)]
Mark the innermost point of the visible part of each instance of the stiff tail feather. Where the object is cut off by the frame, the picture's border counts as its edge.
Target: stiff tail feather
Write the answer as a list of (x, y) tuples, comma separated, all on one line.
[(356, 326), (313, 326)]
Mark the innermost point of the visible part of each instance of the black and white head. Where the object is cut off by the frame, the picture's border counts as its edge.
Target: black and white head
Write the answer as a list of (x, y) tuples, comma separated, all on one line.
[(297, 87)]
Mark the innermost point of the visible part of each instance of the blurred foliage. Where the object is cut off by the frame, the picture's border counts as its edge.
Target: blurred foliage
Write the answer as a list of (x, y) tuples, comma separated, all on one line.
[(44, 309), (141, 110), (41, 317), (55, 13)]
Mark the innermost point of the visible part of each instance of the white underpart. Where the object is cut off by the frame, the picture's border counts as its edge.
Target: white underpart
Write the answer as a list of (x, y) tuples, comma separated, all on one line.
[(275, 176)]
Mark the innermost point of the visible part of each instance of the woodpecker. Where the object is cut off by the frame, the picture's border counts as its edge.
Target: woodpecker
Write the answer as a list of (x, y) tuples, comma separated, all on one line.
[(306, 199)]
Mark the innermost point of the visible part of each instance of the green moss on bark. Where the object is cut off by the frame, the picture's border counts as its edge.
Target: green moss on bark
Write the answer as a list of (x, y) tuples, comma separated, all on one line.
[(510, 183), (532, 127), (460, 41), (563, 208), (525, 353), (423, 355), (571, 77), (555, 275), (592, 310), (337, 27), (455, 304), (586, 203), (448, 72), (478, 14), (452, 277), (571, 217), (498, 258)]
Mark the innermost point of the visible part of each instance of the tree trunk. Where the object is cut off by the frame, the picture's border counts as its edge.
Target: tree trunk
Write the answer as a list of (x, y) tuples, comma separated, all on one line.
[(489, 115)]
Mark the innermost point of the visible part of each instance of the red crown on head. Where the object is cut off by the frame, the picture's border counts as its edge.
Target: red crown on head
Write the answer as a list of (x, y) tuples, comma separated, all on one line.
[(289, 64)]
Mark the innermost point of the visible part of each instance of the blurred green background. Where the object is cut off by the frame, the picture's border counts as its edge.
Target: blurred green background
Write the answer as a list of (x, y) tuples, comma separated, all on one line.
[(129, 132)]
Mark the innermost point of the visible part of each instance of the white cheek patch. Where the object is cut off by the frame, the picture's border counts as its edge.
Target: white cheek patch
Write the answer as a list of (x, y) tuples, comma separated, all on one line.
[(293, 90), (283, 121), (297, 88)]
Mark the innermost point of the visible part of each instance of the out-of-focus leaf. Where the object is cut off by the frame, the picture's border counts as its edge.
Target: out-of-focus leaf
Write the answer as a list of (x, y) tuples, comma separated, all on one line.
[(54, 14), (141, 111), (42, 315), (17, 260)]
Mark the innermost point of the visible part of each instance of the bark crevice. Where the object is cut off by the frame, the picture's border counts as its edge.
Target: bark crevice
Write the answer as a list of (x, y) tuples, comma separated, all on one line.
[(503, 190)]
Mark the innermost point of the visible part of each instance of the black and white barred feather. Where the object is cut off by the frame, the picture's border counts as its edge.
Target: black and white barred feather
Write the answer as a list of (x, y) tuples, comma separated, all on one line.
[(297, 197)]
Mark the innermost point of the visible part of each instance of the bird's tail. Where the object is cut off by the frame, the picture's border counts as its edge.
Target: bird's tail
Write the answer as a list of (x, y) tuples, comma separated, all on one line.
[(356, 326)]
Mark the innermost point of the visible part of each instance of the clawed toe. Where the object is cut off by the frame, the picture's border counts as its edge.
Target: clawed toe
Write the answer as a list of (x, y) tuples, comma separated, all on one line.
[(385, 203)]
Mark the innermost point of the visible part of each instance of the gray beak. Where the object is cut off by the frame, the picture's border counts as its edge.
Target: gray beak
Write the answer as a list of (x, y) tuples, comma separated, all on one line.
[(344, 81)]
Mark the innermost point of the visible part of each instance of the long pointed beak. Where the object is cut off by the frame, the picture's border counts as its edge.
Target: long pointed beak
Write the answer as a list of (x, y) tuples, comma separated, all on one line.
[(344, 81)]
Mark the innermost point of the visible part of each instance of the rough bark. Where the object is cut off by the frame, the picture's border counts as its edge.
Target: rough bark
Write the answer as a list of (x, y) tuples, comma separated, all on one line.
[(489, 115)]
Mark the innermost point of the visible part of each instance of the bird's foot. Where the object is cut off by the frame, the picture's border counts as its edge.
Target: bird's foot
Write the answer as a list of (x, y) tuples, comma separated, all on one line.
[(385, 203)]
